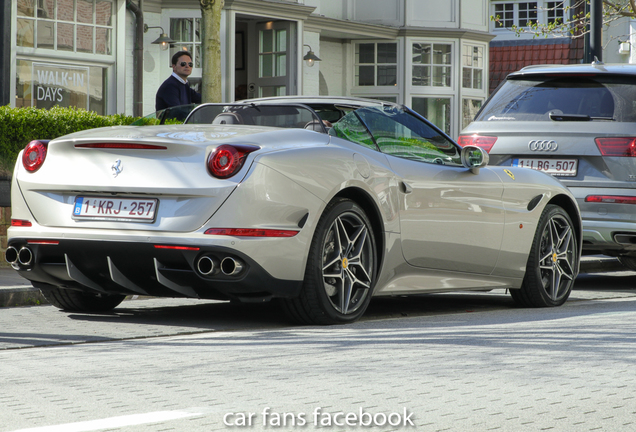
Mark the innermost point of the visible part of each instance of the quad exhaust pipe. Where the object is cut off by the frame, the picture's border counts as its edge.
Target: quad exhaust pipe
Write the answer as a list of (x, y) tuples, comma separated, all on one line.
[(231, 266), (24, 256), (11, 255), (208, 265)]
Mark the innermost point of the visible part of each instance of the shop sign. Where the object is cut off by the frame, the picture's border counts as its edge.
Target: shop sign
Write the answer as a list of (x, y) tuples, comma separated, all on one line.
[(59, 85)]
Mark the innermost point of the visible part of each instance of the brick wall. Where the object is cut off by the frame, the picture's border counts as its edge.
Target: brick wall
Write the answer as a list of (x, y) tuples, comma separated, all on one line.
[(5, 221)]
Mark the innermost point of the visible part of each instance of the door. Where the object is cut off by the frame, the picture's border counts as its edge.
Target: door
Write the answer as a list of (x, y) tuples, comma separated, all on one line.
[(273, 72), (450, 218)]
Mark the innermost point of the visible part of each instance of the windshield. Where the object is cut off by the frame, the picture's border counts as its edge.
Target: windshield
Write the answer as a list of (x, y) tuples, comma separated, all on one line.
[(397, 132), (274, 115), (590, 98)]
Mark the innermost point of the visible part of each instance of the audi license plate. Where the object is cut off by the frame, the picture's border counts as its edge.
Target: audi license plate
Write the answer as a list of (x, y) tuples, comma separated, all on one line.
[(555, 167), (136, 209)]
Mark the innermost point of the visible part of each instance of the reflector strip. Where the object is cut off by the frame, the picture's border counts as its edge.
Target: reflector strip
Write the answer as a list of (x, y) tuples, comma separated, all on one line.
[(126, 146), (610, 199), (190, 248), (251, 232), (43, 242), (20, 223)]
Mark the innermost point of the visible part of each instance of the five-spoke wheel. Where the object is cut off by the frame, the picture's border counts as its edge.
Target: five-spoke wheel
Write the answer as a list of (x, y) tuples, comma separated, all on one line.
[(341, 268), (552, 263)]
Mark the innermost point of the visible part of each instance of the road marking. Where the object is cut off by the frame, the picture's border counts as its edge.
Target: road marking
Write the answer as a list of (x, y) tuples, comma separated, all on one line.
[(116, 422)]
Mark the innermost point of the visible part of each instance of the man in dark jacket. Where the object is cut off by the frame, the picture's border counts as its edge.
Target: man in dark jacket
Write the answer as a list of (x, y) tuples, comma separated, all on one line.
[(176, 90)]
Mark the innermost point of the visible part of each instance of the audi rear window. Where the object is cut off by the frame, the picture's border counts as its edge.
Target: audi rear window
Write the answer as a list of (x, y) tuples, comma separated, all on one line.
[(567, 98)]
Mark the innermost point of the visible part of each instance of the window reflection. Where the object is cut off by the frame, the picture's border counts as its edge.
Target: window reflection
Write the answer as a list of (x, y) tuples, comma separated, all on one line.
[(66, 25), (44, 85)]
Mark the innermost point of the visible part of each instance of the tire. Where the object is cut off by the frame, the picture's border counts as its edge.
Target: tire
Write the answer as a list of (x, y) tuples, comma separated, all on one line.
[(628, 262), (552, 263), (341, 268), (77, 301)]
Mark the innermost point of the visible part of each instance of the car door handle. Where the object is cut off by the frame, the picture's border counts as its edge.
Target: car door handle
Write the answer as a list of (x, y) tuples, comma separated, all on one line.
[(405, 188)]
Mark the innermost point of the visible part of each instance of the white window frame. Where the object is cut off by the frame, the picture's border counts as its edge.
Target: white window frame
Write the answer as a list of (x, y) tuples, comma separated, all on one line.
[(451, 93), (542, 13), (167, 14), (383, 91), (472, 67)]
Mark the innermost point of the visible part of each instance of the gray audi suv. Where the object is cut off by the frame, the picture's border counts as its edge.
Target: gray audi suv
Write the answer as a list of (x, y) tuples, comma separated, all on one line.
[(578, 124)]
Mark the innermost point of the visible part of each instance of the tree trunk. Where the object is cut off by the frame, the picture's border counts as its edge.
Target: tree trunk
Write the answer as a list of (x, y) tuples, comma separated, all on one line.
[(211, 50)]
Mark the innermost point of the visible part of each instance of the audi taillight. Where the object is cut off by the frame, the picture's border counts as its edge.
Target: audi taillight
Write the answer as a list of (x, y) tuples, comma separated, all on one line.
[(617, 146), (34, 155), (226, 160), (485, 142)]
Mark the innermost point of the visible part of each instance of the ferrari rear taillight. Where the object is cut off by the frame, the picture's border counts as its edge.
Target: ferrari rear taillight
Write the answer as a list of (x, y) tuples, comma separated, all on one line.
[(20, 223), (226, 160), (617, 146), (34, 155), (611, 199), (485, 142)]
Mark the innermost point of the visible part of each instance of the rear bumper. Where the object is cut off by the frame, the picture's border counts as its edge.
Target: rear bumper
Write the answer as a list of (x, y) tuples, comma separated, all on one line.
[(115, 267), (608, 228), (609, 238)]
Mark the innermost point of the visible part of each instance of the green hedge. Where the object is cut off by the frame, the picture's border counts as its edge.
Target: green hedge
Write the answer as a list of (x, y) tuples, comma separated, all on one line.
[(19, 126)]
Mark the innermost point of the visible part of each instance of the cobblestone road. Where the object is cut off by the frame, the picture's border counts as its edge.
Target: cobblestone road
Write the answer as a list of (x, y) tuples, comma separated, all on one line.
[(176, 365)]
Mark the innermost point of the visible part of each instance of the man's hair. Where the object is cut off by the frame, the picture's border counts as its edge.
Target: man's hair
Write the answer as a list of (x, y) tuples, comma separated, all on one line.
[(178, 54)]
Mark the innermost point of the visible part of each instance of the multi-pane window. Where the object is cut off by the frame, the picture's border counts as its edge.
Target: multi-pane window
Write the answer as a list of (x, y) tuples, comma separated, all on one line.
[(432, 64), (472, 67), (554, 12), (504, 12), (84, 26), (527, 14), (272, 53), (187, 34), (470, 107), (436, 109), (376, 64)]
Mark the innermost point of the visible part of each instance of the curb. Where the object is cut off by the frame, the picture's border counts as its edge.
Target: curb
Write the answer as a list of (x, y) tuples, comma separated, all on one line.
[(28, 296)]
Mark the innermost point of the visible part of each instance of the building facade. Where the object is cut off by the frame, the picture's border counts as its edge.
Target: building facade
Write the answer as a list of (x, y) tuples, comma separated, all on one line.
[(510, 51), (93, 54)]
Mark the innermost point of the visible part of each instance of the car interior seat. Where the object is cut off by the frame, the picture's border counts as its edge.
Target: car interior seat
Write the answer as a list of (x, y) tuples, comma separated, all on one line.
[(317, 125)]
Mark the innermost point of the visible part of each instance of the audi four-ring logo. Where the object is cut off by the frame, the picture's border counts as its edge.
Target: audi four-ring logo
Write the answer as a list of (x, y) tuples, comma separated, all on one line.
[(542, 145)]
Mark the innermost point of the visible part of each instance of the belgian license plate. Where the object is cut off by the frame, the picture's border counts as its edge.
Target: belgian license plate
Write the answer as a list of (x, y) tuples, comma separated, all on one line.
[(115, 208), (556, 167)]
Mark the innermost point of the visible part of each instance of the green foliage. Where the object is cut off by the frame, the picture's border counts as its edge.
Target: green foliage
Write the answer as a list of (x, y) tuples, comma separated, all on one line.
[(19, 126)]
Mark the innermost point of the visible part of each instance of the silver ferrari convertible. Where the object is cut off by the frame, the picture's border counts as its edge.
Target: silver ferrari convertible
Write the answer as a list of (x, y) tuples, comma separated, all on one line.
[(318, 203)]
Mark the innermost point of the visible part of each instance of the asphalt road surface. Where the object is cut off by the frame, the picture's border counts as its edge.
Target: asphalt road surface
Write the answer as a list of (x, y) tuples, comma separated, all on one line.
[(451, 362)]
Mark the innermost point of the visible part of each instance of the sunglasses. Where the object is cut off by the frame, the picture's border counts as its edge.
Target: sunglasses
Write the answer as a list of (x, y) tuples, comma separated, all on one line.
[(186, 63)]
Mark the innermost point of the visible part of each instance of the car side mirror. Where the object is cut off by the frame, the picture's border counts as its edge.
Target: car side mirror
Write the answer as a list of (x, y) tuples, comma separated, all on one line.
[(474, 157)]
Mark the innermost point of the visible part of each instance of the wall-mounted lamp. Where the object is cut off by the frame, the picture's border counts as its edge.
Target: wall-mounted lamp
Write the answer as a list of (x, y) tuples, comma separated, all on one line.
[(164, 41), (310, 57)]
